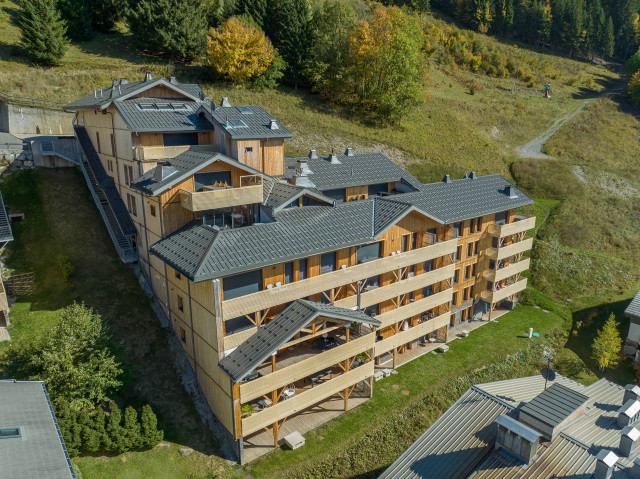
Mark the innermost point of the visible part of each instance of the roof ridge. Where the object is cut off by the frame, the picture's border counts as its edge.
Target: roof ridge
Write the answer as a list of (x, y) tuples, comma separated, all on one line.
[(208, 250)]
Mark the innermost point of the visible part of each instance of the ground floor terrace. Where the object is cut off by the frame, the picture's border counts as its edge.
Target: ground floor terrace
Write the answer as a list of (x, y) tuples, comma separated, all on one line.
[(261, 441)]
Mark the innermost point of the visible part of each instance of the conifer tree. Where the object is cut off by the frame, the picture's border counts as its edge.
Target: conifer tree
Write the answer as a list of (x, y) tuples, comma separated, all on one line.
[(608, 344), (106, 13), (176, 29), (77, 14), (131, 429), (256, 9), (43, 31), (90, 438), (149, 432), (114, 429), (608, 39)]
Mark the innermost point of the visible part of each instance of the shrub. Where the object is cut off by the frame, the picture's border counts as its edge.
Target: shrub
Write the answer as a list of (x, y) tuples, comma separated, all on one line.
[(149, 432), (65, 267), (634, 88)]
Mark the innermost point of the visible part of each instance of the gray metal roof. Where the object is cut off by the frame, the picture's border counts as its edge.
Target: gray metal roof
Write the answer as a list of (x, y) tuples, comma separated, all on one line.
[(270, 337), (106, 96), (554, 405), (634, 307), (257, 122), (453, 447), (185, 165), (40, 451), (278, 195), (296, 233), (357, 170), (465, 198), (159, 121), (518, 428), (5, 224)]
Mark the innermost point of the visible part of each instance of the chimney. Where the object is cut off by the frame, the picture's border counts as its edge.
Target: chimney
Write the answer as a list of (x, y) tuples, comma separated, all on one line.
[(163, 171), (629, 436), (302, 166), (301, 177), (473, 175), (124, 81), (312, 155), (213, 105), (273, 125), (348, 151), (628, 413), (114, 84), (173, 81), (510, 191), (333, 158), (631, 391), (446, 179), (148, 77), (95, 93), (225, 102), (635, 470), (605, 462)]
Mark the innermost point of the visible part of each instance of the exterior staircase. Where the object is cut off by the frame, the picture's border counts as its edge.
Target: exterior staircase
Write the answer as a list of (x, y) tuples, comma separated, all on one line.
[(107, 199)]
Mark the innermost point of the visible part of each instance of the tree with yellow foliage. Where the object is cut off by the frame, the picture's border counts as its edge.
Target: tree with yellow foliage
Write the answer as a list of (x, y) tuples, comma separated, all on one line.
[(239, 52)]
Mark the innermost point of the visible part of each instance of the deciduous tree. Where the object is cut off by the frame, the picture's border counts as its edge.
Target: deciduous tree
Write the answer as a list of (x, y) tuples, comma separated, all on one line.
[(42, 31), (608, 344)]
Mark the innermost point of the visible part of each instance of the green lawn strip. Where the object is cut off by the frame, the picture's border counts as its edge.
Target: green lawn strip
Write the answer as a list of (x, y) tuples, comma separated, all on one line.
[(489, 344)]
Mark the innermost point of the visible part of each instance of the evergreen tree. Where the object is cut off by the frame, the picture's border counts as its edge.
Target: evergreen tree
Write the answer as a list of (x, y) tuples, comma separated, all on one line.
[(42, 31), (71, 430), (78, 16), (114, 429), (176, 29), (503, 21), (257, 9), (91, 439), (131, 429), (608, 344), (625, 28), (149, 432), (608, 39), (106, 13)]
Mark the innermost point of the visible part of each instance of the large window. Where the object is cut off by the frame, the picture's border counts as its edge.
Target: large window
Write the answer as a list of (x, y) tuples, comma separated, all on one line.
[(288, 273), (303, 268), (338, 195), (501, 218), (457, 230), (180, 139), (242, 284), (369, 252), (373, 190), (428, 266), (327, 263)]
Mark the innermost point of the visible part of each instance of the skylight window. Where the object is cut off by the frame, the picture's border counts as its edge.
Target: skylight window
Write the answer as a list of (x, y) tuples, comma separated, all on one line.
[(180, 106), (9, 433), (245, 110), (163, 107), (237, 124), (146, 106)]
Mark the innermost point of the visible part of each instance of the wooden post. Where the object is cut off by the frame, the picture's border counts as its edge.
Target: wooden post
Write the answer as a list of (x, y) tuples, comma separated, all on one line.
[(275, 434), (273, 363), (347, 334)]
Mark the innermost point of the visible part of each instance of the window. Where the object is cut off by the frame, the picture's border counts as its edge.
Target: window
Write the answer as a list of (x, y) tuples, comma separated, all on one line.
[(456, 277), (471, 291), (131, 205), (476, 246), (288, 273), (98, 142), (470, 249), (501, 218), (113, 145), (128, 174), (218, 178), (179, 139), (414, 240), (152, 210), (428, 266), (178, 275), (110, 166), (427, 291), (368, 252), (473, 270), (245, 110), (248, 149), (454, 300), (146, 106), (467, 272), (472, 225), (479, 225), (9, 432), (457, 230), (183, 335), (180, 304), (162, 107), (327, 263), (242, 284), (458, 252), (465, 294), (405, 243), (236, 124), (303, 269)]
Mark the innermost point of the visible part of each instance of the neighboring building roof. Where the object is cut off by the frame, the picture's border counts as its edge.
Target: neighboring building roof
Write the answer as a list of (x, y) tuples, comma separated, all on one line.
[(119, 91), (357, 170), (153, 121), (270, 337), (466, 198), (40, 450), (203, 252), (180, 168), (634, 307), (5, 224), (246, 122), (460, 443), (277, 195), (554, 405)]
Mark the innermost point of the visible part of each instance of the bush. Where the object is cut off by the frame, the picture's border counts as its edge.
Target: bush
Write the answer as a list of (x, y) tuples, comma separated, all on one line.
[(634, 88), (65, 267)]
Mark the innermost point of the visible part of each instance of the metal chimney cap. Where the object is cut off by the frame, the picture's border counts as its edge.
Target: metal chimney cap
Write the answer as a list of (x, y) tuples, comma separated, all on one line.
[(312, 155), (273, 125), (115, 84), (348, 151), (510, 191), (446, 179), (173, 81), (148, 76), (333, 158), (608, 457), (473, 175), (302, 167), (124, 81), (225, 102)]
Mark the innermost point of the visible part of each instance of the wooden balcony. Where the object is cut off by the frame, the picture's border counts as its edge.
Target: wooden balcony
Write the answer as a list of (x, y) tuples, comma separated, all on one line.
[(518, 226), (504, 252), (302, 369), (414, 308), (496, 296), (249, 192), (299, 402), (404, 337), (156, 153), (504, 273), (268, 298)]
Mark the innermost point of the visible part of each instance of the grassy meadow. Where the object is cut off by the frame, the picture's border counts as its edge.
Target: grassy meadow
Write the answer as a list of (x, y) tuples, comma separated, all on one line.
[(585, 264)]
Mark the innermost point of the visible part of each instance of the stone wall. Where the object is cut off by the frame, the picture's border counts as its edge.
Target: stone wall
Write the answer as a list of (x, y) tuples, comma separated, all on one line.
[(23, 120)]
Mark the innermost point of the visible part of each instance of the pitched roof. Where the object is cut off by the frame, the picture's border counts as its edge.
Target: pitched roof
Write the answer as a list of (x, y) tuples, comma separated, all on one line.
[(466, 198), (357, 170), (460, 443), (5, 224), (255, 350), (296, 233), (106, 96), (246, 122), (176, 120), (183, 166), (634, 307), (554, 405), (40, 451), (278, 195)]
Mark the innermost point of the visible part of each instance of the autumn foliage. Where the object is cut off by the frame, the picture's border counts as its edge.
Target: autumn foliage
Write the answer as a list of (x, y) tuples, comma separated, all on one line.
[(239, 52)]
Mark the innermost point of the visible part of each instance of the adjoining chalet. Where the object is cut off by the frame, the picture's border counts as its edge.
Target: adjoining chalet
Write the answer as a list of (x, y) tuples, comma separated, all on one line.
[(633, 337), (517, 429), (288, 280)]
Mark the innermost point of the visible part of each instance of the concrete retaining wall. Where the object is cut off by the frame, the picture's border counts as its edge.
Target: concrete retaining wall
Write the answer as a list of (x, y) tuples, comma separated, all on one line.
[(23, 120)]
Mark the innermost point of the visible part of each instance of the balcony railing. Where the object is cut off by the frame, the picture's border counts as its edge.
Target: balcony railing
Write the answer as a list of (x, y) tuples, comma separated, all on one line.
[(410, 334), (504, 252), (519, 226), (249, 192), (155, 153), (496, 296), (504, 273), (415, 308)]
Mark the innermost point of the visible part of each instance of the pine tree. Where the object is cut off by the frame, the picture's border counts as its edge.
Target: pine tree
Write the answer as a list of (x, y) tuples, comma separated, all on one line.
[(131, 429), (90, 438), (114, 429), (43, 32), (69, 427), (78, 15), (106, 13), (607, 345), (608, 39), (149, 432), (257, 9), (176, 29)]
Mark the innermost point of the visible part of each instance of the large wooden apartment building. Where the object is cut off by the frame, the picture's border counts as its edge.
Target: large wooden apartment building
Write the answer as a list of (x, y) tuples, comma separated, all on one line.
[(288, 279)]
